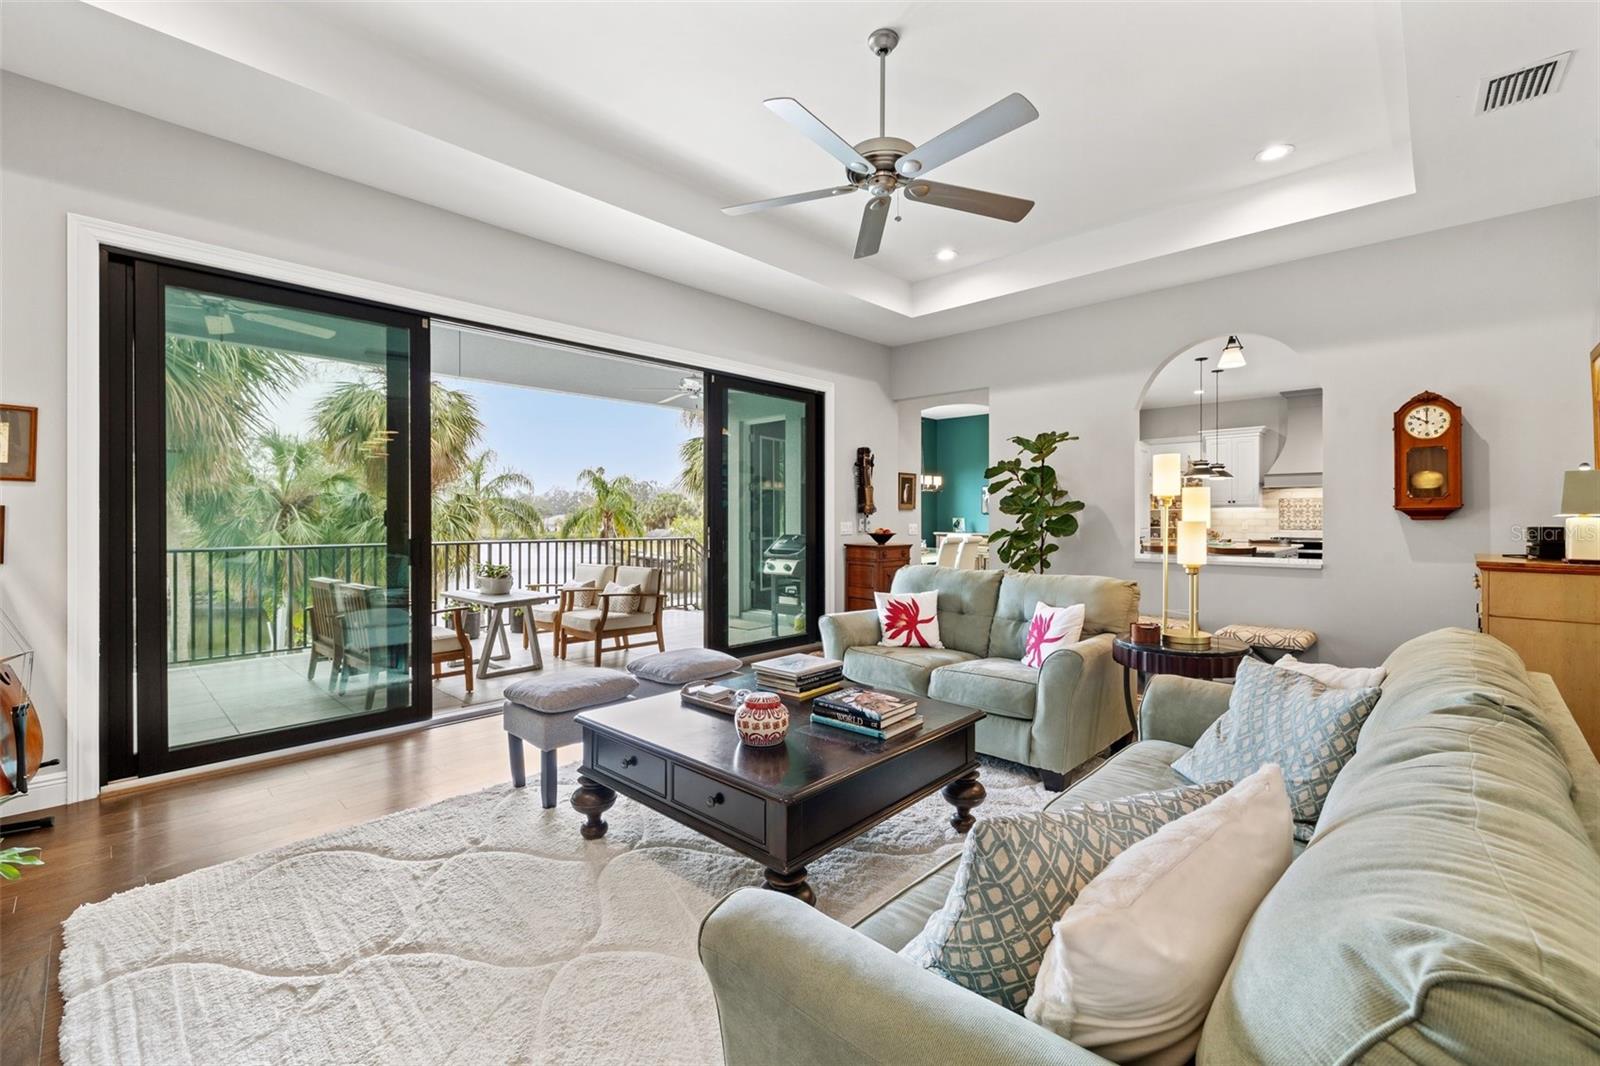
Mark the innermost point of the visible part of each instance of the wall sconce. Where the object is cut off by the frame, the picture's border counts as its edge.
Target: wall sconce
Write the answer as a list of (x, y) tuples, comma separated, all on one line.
[(932, 482)]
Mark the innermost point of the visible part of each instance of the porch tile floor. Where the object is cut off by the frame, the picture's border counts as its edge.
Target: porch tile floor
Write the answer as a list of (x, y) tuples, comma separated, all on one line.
[(209, 701)]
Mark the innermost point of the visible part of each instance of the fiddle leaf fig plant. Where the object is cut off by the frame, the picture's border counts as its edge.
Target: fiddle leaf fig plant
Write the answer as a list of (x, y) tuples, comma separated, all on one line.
[(1030, 493)]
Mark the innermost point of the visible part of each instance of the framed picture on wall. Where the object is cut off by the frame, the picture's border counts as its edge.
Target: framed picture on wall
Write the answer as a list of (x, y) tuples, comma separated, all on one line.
[(906, 491), (19, 442)]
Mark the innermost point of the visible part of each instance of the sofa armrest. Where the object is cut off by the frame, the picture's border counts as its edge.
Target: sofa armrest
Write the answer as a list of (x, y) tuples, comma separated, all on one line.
[(1179, 709), (795, 987), (841, 632), (1080, 708)]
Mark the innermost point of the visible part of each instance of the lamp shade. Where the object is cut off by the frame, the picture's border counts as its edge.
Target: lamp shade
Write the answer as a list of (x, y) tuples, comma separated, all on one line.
[(1165, 475), (1191, 543), (1232, 355), (1580, 492), (1197, 504)]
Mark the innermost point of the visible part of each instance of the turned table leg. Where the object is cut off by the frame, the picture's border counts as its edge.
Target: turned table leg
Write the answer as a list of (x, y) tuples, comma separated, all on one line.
[(964, 793), (791, 884), (592, 799)]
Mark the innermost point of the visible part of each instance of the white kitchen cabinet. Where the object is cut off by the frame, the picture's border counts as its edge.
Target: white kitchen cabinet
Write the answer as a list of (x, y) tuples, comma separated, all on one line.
[(1239, 449)]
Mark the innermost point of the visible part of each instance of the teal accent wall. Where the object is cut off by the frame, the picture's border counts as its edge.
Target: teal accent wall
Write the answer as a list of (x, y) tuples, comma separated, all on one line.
[(958, 449)]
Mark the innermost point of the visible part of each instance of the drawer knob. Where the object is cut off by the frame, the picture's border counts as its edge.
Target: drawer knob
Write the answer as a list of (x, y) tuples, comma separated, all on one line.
[(714, 799), (630, 760)]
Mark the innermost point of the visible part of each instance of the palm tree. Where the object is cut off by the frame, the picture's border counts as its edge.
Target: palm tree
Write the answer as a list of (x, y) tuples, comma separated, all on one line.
[(612, 512), (215, 393), (353, 419), (692, 454), (481, 503)]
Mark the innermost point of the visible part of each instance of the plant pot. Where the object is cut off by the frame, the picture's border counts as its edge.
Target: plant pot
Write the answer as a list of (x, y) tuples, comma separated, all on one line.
[(494, 586), (471, 623), (516, 620)]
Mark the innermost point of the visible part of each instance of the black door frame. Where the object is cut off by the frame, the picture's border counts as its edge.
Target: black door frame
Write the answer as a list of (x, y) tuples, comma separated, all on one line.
[(133, 587), (718, 592)]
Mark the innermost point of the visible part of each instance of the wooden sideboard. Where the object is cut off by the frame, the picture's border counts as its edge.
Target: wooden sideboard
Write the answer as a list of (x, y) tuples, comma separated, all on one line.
[(869, 568), (1549, 612)]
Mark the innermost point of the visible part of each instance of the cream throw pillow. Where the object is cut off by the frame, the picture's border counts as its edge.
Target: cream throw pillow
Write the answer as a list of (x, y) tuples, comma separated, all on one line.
[(582, 594), (1336, 676), (1136, 960), (626, 603)]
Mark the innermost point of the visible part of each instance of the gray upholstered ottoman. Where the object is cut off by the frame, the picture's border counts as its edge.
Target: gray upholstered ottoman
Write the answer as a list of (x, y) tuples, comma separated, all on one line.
[(541, 709)]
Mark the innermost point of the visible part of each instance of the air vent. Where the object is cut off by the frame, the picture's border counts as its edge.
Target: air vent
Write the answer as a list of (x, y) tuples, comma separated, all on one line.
[(1529, 83)]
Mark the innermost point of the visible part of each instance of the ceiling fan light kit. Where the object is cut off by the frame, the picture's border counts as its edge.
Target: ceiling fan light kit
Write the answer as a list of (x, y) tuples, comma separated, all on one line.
[(881, 166)]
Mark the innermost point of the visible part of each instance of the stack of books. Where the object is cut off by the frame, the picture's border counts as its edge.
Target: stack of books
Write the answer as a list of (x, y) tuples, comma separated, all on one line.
[(799, 677), (867, 711)]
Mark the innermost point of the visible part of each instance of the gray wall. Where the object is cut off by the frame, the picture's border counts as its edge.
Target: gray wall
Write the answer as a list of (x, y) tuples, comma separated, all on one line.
[(1498, 316), (66, 153)]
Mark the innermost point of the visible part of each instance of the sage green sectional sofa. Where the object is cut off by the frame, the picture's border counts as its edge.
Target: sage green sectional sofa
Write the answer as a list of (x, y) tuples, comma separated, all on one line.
[(1054, 718), (1447, 908)]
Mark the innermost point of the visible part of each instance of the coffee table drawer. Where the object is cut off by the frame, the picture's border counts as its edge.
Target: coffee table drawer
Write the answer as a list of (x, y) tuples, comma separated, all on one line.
[(632, 764), (712, 800)]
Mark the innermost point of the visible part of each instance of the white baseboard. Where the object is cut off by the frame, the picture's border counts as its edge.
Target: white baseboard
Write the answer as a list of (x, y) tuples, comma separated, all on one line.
[(46, 790)]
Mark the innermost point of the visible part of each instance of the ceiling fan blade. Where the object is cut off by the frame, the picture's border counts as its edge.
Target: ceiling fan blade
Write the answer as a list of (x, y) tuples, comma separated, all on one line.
[(674, 396), (873, 218), (996, 120), (784, 201), (972, 201), (321, 332), (813, 129)]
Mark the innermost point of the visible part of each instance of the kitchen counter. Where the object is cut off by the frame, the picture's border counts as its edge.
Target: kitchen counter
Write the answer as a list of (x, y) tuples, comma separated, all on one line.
[(1240, 560)]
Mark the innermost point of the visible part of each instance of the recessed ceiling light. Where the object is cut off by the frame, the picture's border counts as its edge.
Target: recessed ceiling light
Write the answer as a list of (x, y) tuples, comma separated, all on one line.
[(1274, 152), (944, 255)]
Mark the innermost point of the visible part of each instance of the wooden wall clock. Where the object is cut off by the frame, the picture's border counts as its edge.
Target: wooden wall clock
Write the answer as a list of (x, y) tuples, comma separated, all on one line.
[(1427, 457)]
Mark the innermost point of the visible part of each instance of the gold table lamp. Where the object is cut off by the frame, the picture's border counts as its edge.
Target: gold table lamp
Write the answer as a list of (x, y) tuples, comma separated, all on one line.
[(1191, 556)]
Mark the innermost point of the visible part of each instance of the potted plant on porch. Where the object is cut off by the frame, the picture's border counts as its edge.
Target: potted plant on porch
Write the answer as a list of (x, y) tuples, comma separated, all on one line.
[(494, 579)]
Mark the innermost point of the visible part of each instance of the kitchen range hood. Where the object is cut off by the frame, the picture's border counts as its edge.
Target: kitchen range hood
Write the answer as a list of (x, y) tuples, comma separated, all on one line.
[(1299, 464)]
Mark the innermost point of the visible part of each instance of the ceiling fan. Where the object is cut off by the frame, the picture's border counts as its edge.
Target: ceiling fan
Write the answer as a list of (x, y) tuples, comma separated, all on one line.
[(690, 387), (883, 165), (219, 313)]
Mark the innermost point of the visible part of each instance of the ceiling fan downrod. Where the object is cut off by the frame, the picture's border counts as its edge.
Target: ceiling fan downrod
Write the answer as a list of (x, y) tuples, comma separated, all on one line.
[(881, 42)]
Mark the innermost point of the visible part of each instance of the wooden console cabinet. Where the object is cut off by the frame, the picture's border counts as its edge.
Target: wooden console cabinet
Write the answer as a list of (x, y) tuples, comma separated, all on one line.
[(1549, 612), (869, 568)]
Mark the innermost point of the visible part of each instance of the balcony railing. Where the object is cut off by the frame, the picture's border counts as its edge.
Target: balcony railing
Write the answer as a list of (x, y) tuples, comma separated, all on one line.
[(231, 603)]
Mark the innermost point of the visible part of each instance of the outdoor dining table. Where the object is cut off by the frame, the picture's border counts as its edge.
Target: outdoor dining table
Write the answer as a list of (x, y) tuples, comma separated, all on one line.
[(497, 604)]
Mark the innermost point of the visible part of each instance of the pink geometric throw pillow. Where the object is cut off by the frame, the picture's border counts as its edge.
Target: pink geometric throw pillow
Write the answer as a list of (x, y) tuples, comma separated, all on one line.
[(1049, 629), (908, 619)]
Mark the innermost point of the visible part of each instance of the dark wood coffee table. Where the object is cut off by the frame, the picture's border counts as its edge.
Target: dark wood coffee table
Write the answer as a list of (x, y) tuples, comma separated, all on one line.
[(783, 806)]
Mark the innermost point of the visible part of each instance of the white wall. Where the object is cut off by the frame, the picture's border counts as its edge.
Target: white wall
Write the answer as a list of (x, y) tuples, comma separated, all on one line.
[(66, 153), (1498, 316)]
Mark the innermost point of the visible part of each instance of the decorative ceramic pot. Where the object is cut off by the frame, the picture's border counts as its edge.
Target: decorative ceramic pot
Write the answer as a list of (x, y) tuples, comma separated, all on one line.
[(762, 720), (494, 586)]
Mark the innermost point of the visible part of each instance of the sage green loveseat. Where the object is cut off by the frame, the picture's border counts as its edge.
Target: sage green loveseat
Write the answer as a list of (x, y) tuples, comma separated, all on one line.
[(1446, 910), (1055, 717)]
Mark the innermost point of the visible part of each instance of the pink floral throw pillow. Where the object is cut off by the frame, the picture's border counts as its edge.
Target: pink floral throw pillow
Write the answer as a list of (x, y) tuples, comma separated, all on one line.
[(909, 619), (1051, 628)]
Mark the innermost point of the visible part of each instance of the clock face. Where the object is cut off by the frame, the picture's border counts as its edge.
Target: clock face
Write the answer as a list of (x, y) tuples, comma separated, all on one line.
[(1427, 421)]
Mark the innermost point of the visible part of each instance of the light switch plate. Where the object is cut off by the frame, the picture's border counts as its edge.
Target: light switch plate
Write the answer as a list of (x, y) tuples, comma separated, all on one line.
[(913, 529), (846, 528)]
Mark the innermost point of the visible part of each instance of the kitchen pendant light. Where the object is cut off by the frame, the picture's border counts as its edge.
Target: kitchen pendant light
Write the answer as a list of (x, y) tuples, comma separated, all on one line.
[(1232, 354), (1199, 465), (1219, 472)]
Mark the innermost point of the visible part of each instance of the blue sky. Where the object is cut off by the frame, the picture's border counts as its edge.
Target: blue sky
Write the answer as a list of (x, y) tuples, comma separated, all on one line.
[(549, 436)]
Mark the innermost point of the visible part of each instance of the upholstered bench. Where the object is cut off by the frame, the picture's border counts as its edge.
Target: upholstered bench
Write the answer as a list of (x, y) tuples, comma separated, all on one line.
[(541, 709), (1270, 642)]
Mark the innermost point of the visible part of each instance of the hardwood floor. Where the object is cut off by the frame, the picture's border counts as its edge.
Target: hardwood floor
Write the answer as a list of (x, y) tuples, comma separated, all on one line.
[(120, 842)]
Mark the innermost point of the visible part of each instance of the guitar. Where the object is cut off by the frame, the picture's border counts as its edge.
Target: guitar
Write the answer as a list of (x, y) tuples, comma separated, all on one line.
[(21, 739)]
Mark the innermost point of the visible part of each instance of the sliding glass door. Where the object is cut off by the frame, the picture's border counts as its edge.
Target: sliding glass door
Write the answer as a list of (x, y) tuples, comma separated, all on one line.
[(277, 550), (763, 455)]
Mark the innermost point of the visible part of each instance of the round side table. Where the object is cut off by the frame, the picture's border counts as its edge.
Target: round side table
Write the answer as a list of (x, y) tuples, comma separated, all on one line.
[(1219, 660)]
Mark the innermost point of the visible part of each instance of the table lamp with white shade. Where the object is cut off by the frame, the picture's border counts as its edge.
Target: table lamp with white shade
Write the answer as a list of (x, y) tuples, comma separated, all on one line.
[(1166, 482), (1191, 556), (1580, 506)]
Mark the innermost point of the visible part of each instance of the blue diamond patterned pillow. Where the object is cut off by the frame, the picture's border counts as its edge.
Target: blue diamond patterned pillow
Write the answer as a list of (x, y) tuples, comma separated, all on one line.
[(1018, 874), (1285, 717)]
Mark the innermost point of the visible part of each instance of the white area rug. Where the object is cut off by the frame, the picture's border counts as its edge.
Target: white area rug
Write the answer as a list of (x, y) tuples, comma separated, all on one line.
[(482, 929)]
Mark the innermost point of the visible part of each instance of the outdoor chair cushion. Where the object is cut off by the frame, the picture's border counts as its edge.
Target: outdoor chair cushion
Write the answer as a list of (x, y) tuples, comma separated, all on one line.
[(999, 686), (445, 640), (684, 665), (571, 689), (902, 669), (586, 621)]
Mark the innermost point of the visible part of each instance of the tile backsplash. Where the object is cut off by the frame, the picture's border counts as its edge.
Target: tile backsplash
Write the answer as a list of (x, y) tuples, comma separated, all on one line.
[(1281, 509)]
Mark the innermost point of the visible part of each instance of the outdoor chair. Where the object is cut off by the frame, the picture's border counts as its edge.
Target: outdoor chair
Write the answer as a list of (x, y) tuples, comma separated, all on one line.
[(450, 644), (606, 621), (547, 619), (374, 635), (327, 637)]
